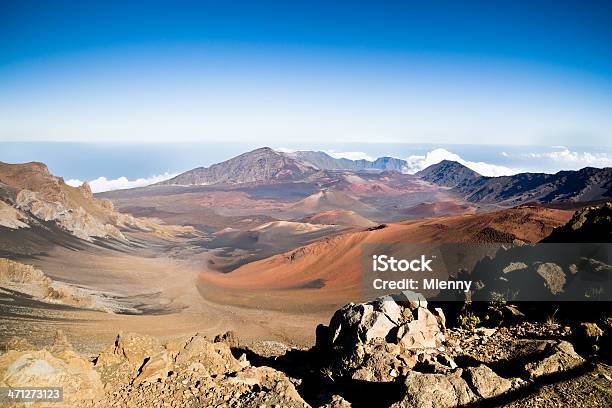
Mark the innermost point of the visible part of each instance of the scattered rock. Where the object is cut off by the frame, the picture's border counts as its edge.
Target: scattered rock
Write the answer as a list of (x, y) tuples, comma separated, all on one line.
[(130, 348), (337, 402), (590, 331)]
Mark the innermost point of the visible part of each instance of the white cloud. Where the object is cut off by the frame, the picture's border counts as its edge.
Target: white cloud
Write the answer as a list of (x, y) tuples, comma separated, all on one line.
[(350, 155), (102, 184), (285, 150), (573, 158), (416, 163)]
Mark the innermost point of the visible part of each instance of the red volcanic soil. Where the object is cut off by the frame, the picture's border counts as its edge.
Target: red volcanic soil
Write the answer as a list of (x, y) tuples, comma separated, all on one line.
[(326, 200), (437, 209), (328, 271), (339, 217)]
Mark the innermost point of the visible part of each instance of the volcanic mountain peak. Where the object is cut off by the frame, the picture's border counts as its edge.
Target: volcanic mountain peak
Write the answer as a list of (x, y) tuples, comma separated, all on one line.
[(266, 165), (263, 165), (324, 161), (448, 173)]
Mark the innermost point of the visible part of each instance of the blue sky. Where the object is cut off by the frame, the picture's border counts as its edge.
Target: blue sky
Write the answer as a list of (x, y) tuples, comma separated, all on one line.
[(535, 73)]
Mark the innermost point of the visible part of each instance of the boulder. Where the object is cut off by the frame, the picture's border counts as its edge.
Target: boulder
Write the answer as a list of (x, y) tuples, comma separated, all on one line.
[(269, 379), (216, 357), (379, 365), (435, 391), (422, 333), (554, 277), (155, 368), (485, 382), (411, 300), (130, 348), (559, 357), (399, 323)]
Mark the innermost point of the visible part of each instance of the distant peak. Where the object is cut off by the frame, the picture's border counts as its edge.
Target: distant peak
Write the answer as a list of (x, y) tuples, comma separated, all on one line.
[(265, 149), (448, 173)]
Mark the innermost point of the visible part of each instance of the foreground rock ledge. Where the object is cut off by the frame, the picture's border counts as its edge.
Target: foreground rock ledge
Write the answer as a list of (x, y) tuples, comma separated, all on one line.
[(141, 371), (394, 340)]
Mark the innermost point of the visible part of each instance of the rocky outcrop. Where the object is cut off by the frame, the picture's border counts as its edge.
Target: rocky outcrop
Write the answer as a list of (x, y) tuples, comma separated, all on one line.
[(399, 339), (11, 217), (575, 271), (591, 224), (382, 339), (75, 220), (33, 282), (31, 196), (435, 391), (485, 382), (187, 370), (139, 370), (362, 346)]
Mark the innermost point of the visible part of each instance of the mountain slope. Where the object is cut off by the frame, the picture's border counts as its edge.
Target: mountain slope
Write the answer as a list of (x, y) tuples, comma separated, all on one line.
[(329, 200), (335, 261), (587, 184), (448, 174), (324, 161), (590, 224), (262, 165), (268, 166), (339, 217)]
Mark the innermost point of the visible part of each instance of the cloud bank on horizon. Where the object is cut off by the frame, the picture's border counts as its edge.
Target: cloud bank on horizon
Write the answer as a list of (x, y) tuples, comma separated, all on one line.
[(559, 157), (416, 163), (102, 184)]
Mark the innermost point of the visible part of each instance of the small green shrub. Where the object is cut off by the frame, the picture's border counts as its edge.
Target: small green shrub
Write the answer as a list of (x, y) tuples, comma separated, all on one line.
[(468, 321)]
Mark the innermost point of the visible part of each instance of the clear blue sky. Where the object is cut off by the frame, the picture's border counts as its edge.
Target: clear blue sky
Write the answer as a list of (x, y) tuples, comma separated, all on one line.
[(537, 72)]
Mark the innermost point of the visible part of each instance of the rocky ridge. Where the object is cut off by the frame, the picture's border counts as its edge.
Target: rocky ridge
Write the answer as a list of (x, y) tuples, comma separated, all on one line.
[(33, 282), (590, 224), (31, 196)]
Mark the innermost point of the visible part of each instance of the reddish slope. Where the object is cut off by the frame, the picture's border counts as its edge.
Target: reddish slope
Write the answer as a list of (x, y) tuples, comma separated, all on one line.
[(334, 263), (339, 217)]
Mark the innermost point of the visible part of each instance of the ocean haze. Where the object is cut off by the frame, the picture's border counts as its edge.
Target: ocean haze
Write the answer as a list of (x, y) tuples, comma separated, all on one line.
[(91, 161)]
